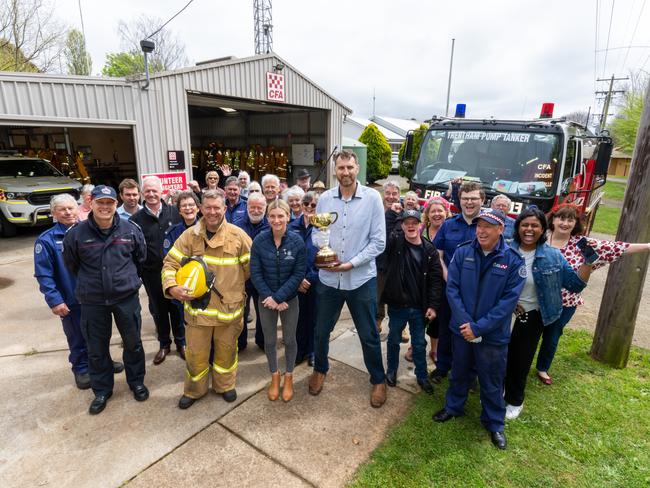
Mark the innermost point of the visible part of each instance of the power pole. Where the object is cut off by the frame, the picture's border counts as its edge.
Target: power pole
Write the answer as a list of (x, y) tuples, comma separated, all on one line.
[(263, 26), (451, 64), (608, 98), (624, 286)]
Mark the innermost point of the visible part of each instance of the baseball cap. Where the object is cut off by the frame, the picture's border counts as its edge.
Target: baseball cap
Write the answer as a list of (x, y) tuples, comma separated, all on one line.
[(491, 216), (303, 173), (410, 213), (103, 191)]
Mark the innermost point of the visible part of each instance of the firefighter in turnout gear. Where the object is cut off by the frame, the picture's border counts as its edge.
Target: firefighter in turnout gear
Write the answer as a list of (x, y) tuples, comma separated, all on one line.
[(217, 316)]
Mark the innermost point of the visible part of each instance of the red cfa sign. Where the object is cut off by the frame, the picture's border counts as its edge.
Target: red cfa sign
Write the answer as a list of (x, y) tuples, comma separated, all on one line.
[(170, 181), (275, 87)]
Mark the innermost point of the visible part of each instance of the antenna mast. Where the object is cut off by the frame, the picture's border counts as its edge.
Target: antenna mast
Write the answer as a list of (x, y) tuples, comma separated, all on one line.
[(263, 26)]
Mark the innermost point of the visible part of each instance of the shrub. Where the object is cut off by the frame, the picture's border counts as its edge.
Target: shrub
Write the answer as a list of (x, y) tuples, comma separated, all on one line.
[(378, 153)]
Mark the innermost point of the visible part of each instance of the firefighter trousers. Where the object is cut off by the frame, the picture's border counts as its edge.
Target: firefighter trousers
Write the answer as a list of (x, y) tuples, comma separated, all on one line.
[(223, 370)]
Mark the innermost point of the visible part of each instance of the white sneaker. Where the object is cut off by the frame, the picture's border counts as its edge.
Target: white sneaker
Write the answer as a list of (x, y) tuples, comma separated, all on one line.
[(513, 412)]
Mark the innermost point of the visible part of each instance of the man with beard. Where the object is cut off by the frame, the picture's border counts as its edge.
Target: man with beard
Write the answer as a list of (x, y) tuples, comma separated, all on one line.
[(253, 222), (358, 236)]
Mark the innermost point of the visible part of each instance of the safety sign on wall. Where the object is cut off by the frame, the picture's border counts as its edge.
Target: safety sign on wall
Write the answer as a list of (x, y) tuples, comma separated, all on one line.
[(275, 87)]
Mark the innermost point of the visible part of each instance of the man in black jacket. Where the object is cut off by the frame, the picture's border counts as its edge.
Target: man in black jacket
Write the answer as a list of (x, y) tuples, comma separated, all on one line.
[(412, 292), (155, 219), (105, 253)]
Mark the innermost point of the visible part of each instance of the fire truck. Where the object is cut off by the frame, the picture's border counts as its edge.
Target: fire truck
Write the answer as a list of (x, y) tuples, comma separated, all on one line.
[(542, 162)]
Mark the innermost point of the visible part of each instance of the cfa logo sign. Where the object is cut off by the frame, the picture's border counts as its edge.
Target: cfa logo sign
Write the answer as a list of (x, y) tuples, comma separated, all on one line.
[(275, 87)]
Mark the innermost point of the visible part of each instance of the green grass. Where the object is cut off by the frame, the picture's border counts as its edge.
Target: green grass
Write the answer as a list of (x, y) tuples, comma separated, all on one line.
[(607, 219), (614, 190), (591, 428)]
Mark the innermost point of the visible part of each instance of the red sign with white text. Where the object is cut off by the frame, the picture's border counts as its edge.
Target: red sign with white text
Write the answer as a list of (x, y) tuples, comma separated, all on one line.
[(170, 181), (274, 87)]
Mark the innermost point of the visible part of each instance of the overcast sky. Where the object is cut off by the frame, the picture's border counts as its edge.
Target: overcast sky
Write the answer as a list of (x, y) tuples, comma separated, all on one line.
[(510, 55)]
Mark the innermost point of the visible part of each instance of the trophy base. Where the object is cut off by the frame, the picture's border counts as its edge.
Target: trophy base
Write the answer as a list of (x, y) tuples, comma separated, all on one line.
[(331, 264)]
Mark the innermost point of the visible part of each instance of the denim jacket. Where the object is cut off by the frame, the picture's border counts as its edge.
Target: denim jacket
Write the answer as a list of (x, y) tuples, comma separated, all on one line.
[(551, 273)]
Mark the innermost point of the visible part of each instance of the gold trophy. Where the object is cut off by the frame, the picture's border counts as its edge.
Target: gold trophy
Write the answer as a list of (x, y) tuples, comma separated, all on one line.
[(326, 257)]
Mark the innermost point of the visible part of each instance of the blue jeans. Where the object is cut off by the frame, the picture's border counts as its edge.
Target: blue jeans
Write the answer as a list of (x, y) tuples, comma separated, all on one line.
[(398, 319), (551, 338), (489, 363), (362, 303)]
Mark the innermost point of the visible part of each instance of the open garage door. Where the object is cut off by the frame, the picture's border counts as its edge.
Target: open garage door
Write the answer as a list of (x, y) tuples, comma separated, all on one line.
[(97, 155), (258, 137)]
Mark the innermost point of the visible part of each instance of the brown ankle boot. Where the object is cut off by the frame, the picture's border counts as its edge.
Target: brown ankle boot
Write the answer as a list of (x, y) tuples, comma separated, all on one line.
[(274, 389), (287, 387)]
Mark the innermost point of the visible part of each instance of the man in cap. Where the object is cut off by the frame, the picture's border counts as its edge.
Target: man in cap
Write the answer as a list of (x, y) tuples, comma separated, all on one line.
[(303, 179), (57, 285), (412, 292), (106, 253), (485, 278), (216, 318)]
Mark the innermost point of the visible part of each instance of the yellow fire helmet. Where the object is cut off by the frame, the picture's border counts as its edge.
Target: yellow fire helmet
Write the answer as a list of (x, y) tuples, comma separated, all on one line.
[(195, 276)]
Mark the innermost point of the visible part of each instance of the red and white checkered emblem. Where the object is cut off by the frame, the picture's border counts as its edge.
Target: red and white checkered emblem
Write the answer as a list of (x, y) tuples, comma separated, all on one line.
[(275, 87)]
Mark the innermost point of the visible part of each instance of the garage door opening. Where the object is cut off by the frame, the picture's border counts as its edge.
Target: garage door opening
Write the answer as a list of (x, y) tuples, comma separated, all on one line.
[(257, 137), (101, 156)]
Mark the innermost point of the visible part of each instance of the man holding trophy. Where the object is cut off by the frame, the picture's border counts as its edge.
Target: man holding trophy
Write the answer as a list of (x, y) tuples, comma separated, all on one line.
[(351, 234)]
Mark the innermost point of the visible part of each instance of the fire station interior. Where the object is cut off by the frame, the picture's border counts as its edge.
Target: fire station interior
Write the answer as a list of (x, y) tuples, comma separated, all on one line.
[(89, 155), (257, 137)]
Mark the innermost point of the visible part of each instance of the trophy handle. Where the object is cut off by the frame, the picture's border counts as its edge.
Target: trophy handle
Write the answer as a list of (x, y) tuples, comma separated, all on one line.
[(336, 217)]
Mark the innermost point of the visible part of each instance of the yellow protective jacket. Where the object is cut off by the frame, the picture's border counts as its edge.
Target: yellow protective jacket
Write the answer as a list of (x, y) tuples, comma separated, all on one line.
[(227, 255)]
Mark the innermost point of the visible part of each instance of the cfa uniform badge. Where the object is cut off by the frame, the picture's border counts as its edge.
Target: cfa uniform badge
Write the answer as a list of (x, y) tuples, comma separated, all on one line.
[(38, 248), (522, 272)]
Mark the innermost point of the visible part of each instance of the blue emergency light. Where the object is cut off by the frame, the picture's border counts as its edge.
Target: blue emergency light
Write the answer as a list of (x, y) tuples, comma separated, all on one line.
[(460, 110)]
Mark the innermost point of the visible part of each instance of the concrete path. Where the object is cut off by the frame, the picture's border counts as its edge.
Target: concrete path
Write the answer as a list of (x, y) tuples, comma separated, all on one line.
[(48, 438)]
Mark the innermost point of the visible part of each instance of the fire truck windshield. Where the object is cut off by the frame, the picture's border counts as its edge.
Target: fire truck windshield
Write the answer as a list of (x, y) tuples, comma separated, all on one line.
[(519, 163)]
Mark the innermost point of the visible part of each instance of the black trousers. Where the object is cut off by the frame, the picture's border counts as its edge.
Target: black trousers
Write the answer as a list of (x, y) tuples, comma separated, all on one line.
[(96, 327), (166, 315), (525, 336), (242, 341), (306, 322)]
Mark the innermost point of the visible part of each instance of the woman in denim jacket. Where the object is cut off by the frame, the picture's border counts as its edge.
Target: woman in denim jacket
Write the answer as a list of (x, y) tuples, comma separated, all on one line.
[(540, 302)]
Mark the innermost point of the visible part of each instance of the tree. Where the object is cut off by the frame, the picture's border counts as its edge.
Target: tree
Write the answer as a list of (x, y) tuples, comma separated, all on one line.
[(579, 116), (127, 64), (77, 57), (169, 52), (378, 153), (626, 123), (30, 35), (407, 168)]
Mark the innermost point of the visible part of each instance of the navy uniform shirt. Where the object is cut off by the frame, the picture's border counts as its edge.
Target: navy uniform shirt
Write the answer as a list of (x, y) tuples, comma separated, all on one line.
[(453, 232)]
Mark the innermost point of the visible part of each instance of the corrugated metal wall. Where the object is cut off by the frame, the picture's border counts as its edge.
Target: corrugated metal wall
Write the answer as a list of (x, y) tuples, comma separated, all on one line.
[(160, 114)]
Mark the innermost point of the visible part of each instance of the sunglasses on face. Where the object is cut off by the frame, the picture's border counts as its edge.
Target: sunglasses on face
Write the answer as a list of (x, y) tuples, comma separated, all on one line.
[(310, 205)]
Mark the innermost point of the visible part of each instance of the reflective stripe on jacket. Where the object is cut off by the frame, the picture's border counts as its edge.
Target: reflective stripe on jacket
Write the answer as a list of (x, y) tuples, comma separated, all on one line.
[(227, 255)]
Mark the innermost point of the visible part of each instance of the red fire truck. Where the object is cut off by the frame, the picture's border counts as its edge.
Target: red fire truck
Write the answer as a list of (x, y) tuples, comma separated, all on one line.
[(540, 162)]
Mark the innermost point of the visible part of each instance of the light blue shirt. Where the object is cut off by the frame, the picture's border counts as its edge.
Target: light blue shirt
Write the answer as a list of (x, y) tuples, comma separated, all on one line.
[(358, 236), (124, 215)]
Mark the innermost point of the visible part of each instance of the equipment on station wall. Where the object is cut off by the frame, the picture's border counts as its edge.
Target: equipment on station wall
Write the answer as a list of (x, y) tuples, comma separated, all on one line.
[(256, 160)]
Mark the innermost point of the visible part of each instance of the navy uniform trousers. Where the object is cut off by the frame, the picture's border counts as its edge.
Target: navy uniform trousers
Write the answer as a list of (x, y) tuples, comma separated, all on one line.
[(489, 363), (97, 327)]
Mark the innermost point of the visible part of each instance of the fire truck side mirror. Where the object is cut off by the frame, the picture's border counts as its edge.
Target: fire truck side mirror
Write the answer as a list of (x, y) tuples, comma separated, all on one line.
[(605, 148), (566, 186), (408, 149)]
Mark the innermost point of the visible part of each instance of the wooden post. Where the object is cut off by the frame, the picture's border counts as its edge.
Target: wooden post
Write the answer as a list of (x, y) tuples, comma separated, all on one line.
[(624, 286)]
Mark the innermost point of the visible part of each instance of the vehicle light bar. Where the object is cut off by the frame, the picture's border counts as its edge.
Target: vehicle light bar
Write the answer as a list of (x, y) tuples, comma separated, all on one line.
[(547, 111)]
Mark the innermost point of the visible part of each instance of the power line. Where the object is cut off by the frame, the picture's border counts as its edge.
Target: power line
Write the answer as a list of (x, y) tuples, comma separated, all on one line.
[(172, 18), (633, 34), (609, 32)]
